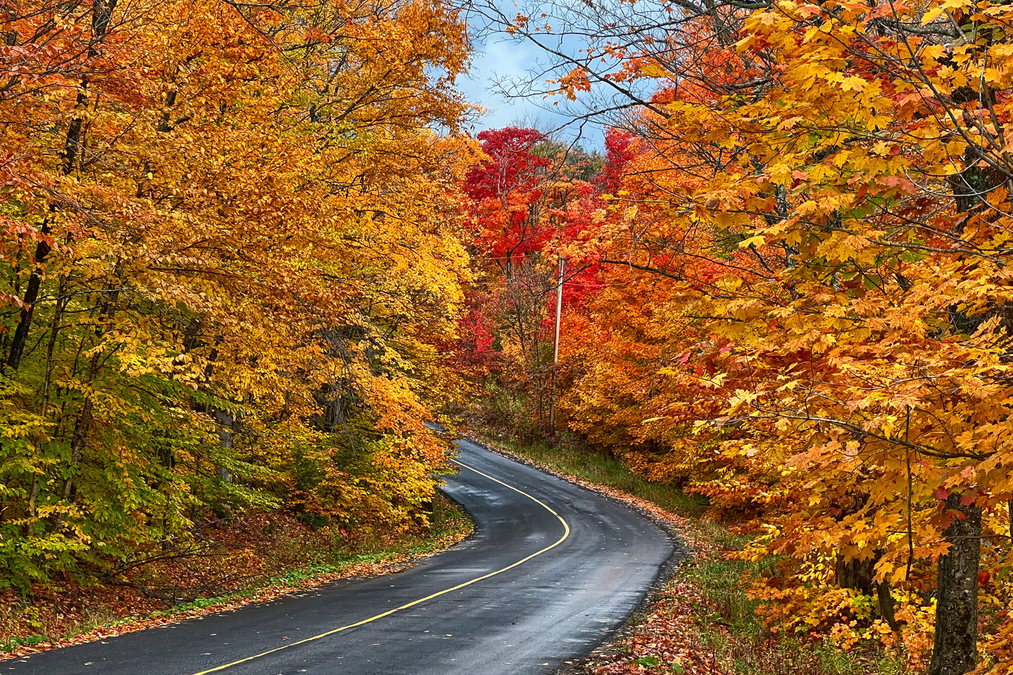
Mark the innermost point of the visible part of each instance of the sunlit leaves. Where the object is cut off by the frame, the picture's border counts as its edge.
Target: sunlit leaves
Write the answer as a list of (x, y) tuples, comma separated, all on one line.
[(255, 253), (822, 189)]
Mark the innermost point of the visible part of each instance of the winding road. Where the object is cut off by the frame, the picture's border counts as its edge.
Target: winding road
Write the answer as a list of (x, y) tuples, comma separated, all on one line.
[(550, 570)]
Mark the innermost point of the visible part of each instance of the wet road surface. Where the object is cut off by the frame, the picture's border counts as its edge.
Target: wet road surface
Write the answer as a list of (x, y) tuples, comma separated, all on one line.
[(550, 570)]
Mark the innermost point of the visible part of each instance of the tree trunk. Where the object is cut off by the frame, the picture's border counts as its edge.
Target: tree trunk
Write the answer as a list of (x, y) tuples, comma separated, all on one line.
[(956, 650), (81, 429), (225, 426), (856, 574), (860, 576), (886, 605), (61, 303), (101, 16), (31, 295)]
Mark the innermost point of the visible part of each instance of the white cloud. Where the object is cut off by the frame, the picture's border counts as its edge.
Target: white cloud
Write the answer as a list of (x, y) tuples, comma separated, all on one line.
[(501, 60)]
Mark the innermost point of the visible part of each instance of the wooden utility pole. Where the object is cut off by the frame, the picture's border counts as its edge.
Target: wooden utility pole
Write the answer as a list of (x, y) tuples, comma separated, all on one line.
[(555, 355)]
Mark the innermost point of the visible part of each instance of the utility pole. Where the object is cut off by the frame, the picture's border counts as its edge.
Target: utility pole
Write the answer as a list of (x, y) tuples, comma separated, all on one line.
[(555, 355)]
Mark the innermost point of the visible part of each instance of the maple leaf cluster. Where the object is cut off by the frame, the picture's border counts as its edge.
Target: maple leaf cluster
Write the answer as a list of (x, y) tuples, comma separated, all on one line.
[(529, 201)]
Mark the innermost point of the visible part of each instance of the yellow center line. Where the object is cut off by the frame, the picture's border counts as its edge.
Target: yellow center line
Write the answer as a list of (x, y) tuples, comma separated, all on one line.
[(566, 533)]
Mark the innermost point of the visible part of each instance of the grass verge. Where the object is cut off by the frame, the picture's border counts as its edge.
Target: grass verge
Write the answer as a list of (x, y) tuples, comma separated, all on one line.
[(605, 470), (60, 616)]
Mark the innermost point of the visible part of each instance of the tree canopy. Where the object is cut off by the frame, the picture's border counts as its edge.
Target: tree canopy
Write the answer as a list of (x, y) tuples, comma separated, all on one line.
[(229, 251)]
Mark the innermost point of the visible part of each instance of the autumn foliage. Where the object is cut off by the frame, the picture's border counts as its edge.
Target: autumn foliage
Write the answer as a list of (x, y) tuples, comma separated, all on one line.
[(228, 250), (525, 201), (802, 240), (245, 250)]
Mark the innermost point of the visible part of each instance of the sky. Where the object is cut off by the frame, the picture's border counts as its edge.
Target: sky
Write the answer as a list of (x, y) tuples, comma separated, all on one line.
[(497, 58)]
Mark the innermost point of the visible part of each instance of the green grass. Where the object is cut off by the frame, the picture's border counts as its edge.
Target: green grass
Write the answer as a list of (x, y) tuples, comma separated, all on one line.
[(605, 469), (13, 643)]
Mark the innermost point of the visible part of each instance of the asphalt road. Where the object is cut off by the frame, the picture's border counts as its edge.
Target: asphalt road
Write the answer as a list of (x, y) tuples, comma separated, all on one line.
[(549, 571)]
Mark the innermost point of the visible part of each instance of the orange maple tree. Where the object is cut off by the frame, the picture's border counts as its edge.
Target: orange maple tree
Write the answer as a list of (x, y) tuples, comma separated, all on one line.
[(229, 248), (809, 270)]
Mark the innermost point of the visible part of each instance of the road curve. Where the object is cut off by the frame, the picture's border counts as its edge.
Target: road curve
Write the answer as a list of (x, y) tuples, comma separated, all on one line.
[(549, 571)]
